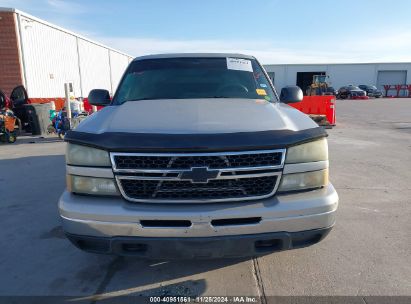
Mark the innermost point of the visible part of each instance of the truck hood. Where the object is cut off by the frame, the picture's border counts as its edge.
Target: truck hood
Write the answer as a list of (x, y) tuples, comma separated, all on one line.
[(196, 116)]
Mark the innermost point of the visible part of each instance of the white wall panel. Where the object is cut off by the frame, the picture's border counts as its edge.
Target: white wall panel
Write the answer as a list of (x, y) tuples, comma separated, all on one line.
[(94, 66), (356, 74), (118, 63), (280, 77), (50, 58), (53, 56)]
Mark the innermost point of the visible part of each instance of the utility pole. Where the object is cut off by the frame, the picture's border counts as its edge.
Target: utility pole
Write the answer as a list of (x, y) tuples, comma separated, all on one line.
[(68, 106)]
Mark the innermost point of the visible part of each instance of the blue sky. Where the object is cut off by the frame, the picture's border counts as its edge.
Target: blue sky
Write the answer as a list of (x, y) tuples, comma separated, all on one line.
[(276, 31)]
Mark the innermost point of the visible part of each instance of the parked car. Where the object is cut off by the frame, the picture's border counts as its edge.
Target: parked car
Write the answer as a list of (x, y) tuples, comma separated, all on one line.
[(196, 156), (371, 90), (351, 92)]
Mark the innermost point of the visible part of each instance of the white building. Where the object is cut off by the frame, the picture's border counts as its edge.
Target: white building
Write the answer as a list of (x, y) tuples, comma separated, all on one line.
[(42, 57), (378, 74)]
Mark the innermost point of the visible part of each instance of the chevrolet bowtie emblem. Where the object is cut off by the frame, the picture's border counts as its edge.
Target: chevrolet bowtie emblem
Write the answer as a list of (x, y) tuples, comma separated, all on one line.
[(199, 175)]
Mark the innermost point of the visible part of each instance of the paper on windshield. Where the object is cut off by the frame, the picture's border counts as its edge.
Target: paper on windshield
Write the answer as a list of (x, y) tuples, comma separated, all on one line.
[(261, 92), (239, 64)]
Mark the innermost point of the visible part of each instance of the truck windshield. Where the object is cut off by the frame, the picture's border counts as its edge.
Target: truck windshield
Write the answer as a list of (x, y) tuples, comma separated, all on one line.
[(183, 78)]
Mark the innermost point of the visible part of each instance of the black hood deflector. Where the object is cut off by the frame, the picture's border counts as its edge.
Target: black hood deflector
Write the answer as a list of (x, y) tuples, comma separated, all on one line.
[(154, 142)]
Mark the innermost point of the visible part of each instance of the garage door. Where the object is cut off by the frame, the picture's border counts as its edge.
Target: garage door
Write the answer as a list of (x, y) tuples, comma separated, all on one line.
[(391, 77)]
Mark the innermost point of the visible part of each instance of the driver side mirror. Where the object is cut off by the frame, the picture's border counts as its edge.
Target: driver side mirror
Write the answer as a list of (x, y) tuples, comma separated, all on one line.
[(291, 94), (99, 97)]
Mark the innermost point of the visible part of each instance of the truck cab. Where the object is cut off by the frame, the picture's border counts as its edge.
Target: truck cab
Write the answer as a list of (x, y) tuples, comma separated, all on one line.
[(196, 156)]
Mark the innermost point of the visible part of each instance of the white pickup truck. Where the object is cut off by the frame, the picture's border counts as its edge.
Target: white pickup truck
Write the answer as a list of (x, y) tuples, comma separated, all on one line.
[(196, 156)]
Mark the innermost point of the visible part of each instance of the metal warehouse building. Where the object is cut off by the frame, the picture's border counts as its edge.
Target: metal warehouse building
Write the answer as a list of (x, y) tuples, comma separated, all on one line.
[(42, 57), (378, 74)]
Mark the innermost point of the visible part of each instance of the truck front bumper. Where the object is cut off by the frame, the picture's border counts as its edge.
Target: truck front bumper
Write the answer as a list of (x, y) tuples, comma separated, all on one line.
[(203, 247), (102, 224)]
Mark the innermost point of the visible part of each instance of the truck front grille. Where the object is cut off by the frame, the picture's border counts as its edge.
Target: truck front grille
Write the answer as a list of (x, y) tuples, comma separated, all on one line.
[(198, 177), (183, 190), (187, 162)]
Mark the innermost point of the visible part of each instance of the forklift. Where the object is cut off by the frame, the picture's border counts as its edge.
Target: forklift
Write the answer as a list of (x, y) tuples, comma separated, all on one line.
[(319, 87)]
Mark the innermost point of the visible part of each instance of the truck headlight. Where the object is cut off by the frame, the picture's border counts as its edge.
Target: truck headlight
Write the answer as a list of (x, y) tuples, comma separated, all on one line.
[(86, 156), (91, 185), (303, 181), (309, 152)]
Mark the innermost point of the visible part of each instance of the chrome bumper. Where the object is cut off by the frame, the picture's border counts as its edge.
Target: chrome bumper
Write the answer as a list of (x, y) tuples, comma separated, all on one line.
[(110, 217)]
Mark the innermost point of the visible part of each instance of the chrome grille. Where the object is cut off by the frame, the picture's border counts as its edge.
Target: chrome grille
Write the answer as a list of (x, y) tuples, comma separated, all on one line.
[(190, 161), (198, 177)]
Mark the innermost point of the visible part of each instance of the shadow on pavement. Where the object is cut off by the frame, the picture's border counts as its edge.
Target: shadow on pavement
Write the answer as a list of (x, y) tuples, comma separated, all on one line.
[(31, 139), (128, 276), (38, 260)]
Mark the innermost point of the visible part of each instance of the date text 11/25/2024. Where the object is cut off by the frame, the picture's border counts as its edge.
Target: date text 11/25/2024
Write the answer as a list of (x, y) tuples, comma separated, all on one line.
[(204, 299)]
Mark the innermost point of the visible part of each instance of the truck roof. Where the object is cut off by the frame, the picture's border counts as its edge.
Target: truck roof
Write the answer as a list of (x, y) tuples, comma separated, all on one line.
[(194, 55)]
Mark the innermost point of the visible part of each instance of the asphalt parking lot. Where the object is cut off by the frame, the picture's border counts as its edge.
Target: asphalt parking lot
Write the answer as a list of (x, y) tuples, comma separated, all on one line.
[(367, 253)]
